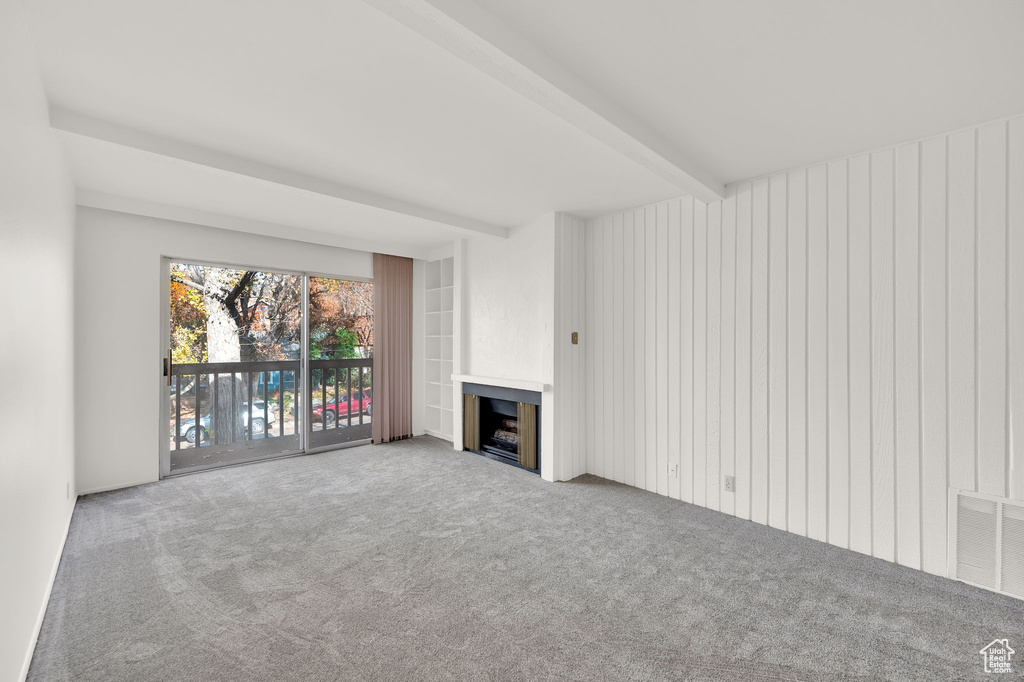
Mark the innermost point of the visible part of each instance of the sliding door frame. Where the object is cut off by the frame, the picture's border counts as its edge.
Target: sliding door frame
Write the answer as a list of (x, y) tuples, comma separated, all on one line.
[(306, 401)]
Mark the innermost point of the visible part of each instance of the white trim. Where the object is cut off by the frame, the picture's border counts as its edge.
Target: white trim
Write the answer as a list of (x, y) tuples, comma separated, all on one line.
[(118, 486), (190, 216), (46, 598), (344, 278), (262, 268), (458, 324), (164, 467), (441, 252), (303, 382), (521, 384), (983, 496), (437, 434)]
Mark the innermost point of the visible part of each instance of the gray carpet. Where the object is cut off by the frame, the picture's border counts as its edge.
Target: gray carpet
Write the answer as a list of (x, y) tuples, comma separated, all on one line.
[(412, 562)]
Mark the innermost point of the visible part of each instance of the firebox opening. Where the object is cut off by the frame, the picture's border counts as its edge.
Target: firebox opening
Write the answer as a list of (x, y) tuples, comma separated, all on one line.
[(503, 424), (499, 427)]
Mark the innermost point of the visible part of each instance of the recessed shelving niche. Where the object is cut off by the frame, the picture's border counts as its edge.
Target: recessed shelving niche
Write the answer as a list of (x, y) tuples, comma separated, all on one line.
[(438, 345)]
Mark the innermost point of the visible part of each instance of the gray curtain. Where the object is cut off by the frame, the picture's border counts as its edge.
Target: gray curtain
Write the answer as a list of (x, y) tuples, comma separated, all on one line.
[(392, 348)]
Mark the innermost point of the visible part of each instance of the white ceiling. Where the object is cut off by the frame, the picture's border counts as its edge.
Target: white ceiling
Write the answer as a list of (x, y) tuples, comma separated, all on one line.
[(749, 87), (330, 88), (337, 91)]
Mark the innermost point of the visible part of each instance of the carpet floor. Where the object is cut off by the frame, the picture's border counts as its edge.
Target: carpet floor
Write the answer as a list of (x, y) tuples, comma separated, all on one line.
[(414, 562)]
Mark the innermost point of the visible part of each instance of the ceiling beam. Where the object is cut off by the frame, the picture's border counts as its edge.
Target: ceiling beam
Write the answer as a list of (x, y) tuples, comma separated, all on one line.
[(478, 37), (181, 214), (87, 126)]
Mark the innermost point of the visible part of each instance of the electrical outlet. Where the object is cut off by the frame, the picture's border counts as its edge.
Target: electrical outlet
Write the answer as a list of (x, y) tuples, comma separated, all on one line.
[(575, 338), (730, 484), (673, 470)]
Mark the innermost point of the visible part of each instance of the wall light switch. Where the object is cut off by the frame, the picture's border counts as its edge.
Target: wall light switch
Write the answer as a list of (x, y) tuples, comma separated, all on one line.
[(730, 484), (673, 470), (575, 337)]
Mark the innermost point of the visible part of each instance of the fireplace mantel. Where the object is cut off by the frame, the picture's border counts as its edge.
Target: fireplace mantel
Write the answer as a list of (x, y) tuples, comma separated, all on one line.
[(506, 383)]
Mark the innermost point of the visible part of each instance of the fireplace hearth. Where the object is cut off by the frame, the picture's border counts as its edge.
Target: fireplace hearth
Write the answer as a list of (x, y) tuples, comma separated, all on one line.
[(502, 424)]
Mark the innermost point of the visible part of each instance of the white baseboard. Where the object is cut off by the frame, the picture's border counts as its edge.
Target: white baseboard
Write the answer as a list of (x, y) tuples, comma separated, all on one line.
[(117, 486), (46, 597)]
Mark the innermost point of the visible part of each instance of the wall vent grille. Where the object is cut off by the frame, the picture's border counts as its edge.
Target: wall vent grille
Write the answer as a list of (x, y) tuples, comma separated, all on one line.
[(1013, 550), (987, 541)]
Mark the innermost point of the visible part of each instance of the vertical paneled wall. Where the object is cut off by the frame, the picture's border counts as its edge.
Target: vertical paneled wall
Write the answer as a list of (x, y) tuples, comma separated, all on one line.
[(847, 340), (570, 387)]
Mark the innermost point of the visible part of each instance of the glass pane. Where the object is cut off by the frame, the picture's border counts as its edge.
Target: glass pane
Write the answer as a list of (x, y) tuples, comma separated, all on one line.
[(235, 350), (341, 360)]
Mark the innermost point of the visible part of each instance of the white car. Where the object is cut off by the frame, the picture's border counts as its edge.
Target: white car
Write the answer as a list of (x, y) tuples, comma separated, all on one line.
[(187, 428)]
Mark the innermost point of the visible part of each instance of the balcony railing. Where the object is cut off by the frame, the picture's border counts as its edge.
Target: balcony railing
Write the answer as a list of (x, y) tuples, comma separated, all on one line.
[(226, 412), (262, 392), (341, 400)]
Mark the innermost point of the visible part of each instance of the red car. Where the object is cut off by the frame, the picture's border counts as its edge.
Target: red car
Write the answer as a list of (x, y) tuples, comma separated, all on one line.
[(342, 408)]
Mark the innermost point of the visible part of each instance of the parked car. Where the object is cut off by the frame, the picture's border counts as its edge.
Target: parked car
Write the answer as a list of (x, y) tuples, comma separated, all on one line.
[(341, 408), (187, 428)]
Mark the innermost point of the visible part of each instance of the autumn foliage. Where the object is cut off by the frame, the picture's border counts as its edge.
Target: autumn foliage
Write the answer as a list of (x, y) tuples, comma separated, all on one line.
[(265, 309)]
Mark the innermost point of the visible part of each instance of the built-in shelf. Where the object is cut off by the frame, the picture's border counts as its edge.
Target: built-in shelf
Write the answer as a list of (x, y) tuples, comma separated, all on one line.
[(438, 347)]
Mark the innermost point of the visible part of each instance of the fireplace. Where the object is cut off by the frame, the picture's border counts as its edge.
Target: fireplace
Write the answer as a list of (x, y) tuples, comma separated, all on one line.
[(502, 424)]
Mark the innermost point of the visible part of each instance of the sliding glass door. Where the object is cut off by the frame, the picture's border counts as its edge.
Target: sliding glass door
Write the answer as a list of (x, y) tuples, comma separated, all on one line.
[(264, 364), (340, 361)]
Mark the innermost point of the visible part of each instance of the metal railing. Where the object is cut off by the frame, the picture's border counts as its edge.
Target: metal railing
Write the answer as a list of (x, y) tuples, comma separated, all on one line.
[(229, 412), (341, 400), (268, 382)]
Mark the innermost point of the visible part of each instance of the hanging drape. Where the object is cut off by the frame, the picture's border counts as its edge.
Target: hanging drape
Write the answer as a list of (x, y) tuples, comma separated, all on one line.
[(392, 348)]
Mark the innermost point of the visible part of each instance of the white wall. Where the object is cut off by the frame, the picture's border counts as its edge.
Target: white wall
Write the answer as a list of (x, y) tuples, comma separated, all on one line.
[(36, 339), (505, 317), (119, 340), (508, 287), (517, 302), (847, 340), (569, 379)]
